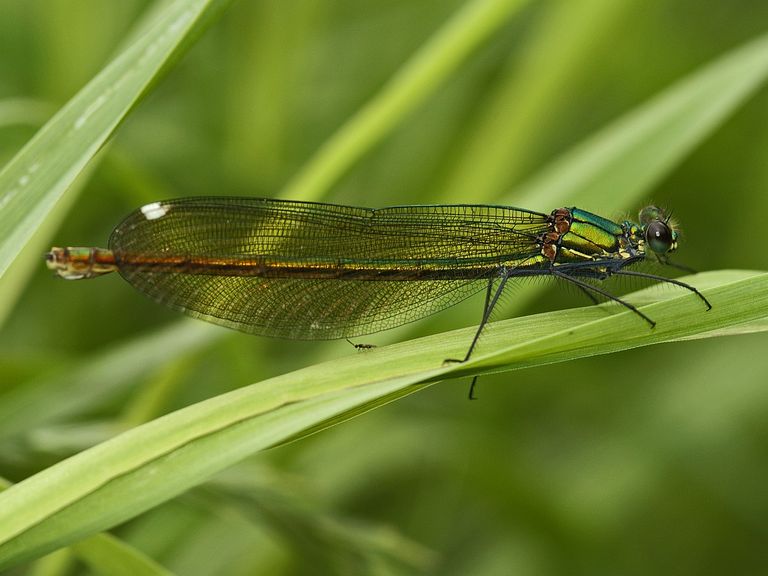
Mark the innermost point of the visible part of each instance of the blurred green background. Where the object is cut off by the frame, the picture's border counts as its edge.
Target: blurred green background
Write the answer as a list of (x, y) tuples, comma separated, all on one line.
[(653, 460)]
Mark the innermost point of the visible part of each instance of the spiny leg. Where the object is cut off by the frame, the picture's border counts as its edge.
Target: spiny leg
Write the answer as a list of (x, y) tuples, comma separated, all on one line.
[(488, 292), (587, 286), (667, 280), (490, 303)]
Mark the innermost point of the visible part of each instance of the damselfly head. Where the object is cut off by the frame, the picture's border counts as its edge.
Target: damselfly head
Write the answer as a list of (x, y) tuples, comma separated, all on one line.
[(659, 230)]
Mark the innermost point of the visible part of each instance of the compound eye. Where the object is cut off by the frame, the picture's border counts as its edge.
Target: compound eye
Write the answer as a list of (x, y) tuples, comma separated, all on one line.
[(659, 237)]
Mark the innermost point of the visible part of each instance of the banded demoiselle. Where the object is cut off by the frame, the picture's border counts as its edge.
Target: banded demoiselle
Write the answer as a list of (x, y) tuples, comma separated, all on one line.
[(308, 270)]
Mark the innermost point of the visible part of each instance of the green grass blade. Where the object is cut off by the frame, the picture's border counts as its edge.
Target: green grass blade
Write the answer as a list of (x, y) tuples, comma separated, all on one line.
[(70, 391), (34, 181), (739, 305), (29, 258), (109, 556), (617, 166), (129, 474), (417, 79), (526, 105), (106, 555)]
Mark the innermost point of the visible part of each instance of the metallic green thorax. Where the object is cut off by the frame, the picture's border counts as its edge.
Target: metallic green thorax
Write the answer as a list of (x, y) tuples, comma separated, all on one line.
[(583, 237), (591, 234)]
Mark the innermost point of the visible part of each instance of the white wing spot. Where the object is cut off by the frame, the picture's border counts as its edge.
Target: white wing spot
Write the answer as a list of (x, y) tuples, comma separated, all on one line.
[(154, 211)]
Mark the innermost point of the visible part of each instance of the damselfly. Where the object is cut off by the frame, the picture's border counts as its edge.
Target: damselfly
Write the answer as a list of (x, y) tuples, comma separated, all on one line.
[(309, 270)]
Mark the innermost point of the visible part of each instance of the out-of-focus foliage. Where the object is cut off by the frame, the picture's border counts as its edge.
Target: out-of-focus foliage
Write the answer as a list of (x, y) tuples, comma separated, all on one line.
[(642, 461)]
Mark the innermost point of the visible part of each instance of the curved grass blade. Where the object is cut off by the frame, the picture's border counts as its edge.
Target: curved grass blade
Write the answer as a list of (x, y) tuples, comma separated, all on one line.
[(526, 104), (70, 391), (34, 181), (139, 469), (109, 555), (618, 165), (416, 80)]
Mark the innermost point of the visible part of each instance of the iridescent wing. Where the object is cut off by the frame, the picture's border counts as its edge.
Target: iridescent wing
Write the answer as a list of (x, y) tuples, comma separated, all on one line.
[(474, 240)]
